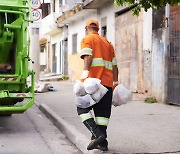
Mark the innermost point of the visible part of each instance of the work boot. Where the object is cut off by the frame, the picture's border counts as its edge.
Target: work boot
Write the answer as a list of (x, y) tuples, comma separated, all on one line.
[(103, 146), (96, 132), (95, 143)]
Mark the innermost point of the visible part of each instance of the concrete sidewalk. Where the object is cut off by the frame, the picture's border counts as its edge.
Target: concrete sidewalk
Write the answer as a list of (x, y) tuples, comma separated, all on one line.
[(136, 127)]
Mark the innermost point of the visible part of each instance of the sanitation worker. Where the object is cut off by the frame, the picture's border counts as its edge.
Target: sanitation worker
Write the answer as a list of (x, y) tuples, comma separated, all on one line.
[(99, 62)]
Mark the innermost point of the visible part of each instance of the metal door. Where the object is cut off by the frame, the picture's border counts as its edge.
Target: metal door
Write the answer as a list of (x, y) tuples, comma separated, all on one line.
[(54, 58), (174, 57), (65, 42)]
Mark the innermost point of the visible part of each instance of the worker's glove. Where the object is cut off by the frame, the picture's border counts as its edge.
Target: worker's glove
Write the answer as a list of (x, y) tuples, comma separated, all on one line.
[(84, 75), (115, 83)]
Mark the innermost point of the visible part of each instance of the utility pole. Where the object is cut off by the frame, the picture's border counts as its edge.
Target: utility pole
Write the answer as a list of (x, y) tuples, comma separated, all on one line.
[(34, 38), (35, 52)]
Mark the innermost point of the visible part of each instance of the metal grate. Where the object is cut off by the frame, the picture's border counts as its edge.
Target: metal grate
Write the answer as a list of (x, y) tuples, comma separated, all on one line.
[(174, 57)]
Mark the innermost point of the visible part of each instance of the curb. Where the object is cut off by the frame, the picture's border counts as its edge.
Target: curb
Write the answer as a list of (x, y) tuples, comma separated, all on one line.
[(76, 137)]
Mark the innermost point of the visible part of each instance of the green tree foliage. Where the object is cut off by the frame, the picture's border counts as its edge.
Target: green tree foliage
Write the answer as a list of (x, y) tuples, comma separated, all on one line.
[(145, 4)]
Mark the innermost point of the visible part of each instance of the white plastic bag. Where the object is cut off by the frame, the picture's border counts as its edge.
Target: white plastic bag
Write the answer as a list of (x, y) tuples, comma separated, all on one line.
[(89, 92), (84, 101), (43, 88), (100, 93), (121, 95), (79, 89), (91, 85)]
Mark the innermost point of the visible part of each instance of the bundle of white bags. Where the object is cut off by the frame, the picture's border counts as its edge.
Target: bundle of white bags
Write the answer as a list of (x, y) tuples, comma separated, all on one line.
[(121, 95), (89, 92)]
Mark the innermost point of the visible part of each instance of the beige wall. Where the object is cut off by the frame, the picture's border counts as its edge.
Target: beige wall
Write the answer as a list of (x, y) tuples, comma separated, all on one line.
[(75, 64), (128, 45)]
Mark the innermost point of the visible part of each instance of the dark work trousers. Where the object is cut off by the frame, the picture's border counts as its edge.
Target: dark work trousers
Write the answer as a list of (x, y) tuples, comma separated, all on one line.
[(101, 109)]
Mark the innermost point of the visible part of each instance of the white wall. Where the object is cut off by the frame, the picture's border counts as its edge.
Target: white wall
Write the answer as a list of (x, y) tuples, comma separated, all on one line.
[(147, 30), (78, 27), (48, 24), (109, 12), (147, 51), (159, 64)]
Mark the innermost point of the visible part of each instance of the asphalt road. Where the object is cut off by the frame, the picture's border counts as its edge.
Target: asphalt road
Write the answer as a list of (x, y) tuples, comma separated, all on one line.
[(32, 133)]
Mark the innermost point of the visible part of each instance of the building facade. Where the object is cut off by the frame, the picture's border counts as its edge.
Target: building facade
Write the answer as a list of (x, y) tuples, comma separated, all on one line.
[(53, 40), (142, 45)]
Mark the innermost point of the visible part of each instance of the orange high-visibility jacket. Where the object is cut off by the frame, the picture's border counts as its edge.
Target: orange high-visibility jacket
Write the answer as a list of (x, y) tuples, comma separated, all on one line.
[(103, 57)]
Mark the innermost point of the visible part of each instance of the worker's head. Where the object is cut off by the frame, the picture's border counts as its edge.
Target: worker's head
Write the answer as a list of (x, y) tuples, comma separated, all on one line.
[(92, 25)]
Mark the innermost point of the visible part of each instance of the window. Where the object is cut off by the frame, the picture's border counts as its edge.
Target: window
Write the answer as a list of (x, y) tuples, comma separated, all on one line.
[(74, 43), (104, 27), (54, 5), (54, 52), (60, 3), (104, 31), (45, 9), (54, 58)]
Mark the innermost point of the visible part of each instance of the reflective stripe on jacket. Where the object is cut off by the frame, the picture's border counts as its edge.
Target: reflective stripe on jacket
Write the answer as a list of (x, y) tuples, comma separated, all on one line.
[(103, 57)]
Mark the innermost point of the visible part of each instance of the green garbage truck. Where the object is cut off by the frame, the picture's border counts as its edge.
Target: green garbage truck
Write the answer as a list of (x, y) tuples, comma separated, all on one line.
[(16, 80)]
